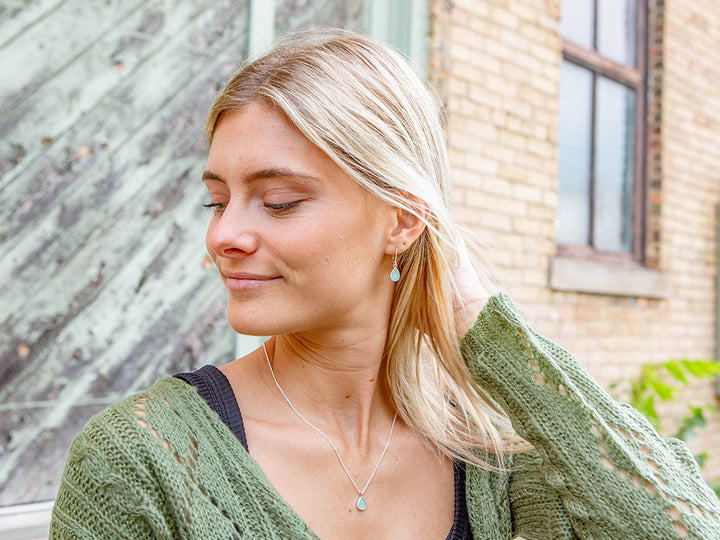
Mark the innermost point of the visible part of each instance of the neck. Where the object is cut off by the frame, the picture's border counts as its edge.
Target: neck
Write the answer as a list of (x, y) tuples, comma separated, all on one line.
[(336, 385)]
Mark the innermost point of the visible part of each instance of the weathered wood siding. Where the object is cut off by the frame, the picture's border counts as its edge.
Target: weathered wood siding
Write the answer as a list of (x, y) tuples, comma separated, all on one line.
[(104, 282)]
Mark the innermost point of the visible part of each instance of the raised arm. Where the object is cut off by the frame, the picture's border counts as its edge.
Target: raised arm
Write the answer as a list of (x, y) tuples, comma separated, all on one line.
[(598, 466)]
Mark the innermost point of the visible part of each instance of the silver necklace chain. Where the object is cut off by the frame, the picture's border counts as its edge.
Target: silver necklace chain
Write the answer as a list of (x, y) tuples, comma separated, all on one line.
[(361, 502)]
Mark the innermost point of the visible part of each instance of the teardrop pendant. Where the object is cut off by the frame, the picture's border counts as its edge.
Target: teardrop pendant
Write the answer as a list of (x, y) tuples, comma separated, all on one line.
[(361, 503)]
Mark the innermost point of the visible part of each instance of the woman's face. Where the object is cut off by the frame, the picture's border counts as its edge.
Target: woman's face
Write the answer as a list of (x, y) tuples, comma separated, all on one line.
[(300, 246)]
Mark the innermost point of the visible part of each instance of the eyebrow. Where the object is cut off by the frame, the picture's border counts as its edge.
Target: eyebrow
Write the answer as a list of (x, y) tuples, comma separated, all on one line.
[(262, 175)]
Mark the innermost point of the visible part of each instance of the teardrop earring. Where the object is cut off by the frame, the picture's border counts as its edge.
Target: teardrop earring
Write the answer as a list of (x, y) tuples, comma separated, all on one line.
[(395, 274)]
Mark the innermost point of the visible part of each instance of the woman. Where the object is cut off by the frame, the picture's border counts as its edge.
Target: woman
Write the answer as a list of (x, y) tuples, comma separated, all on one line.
[(388, 401)]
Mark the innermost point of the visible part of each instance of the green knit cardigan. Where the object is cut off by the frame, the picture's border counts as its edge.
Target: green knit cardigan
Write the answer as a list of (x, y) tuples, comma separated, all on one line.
[(161, 464)]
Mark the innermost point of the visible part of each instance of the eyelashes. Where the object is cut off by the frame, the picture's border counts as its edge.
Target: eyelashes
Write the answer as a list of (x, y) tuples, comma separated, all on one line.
[(281, 208), (274, 208), (217, 208)]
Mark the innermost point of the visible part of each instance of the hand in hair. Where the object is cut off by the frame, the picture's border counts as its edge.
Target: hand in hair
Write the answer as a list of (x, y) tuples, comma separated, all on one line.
[(470, 295)]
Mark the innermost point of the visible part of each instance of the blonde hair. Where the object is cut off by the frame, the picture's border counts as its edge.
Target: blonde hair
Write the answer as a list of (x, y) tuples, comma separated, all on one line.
[(362, 104)]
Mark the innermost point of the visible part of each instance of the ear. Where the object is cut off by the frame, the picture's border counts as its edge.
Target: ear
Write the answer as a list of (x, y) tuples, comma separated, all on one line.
[(408, 226)]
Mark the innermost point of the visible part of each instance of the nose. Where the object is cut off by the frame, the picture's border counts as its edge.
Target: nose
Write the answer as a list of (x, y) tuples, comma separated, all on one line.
[(231, 234)]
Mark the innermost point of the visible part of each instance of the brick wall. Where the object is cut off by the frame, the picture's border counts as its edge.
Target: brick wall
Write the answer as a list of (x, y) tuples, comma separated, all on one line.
[(691, 179), (496, 64)]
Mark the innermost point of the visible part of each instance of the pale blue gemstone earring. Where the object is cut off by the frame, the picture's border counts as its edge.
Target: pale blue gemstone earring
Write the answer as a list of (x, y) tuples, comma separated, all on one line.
[(395, 274)]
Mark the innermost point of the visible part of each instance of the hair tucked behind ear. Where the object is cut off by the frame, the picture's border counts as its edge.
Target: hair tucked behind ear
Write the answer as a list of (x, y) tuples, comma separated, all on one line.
[(362, 104)]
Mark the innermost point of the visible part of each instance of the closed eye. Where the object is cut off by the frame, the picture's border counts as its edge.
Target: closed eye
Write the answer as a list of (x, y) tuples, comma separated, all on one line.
[(217, 207), (280, 208)]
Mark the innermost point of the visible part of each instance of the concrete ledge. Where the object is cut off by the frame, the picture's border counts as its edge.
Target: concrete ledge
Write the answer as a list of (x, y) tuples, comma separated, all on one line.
[(588, 276), (26, 521)]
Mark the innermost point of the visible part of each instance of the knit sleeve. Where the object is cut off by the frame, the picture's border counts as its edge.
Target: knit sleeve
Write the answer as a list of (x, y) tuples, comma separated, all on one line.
[(135, 471), (599, 467), (104, 489)]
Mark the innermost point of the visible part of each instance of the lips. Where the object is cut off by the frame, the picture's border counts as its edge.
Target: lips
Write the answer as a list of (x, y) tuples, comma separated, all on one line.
[(245, 275), (246, 281)]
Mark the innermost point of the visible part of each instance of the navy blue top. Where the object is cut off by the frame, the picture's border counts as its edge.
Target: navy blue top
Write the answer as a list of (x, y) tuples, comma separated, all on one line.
[(215, 389)]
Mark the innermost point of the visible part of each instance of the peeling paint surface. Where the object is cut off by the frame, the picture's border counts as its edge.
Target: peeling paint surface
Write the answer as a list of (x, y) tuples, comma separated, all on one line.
[(104, 281)]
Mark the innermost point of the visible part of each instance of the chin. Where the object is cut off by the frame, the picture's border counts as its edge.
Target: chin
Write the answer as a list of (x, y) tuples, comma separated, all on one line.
[(250, 328), (252, 322), (272, 321)]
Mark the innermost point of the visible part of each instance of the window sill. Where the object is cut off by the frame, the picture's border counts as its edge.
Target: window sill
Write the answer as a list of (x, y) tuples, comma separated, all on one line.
[(593, 277)]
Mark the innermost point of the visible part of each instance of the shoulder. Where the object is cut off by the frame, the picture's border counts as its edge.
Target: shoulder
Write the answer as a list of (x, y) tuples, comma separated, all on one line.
[(150, 436), (161, 402), (143, 423), (118, 464)]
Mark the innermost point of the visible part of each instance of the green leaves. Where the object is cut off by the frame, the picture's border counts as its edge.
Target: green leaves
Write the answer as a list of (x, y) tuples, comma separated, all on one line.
[(695, 420), (660, 382)]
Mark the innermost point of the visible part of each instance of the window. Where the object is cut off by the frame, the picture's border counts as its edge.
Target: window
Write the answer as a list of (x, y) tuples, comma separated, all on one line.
[(402, 23), (602, 129)]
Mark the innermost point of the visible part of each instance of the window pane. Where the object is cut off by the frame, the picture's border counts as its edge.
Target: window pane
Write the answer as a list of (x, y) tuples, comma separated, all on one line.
[(576, 21), (573, 226), (614, 166), (293, 14), (617, 30)]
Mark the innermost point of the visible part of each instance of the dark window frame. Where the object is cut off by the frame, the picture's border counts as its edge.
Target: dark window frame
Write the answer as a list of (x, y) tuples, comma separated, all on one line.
[(636, 79)]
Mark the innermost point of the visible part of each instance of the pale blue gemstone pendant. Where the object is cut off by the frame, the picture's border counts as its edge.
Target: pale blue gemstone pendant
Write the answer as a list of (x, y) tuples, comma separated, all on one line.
[(361, 502), (395, 274)]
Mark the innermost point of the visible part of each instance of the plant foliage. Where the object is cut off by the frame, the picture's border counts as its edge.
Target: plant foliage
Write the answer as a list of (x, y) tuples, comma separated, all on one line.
[(661, 382)]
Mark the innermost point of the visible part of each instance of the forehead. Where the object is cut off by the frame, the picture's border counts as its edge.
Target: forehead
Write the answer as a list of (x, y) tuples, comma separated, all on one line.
[(258, 142), (261, 137), (257, 123)]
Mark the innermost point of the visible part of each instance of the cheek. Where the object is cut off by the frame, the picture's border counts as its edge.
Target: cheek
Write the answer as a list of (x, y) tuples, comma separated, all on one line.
[(319, 256), (354, 259)]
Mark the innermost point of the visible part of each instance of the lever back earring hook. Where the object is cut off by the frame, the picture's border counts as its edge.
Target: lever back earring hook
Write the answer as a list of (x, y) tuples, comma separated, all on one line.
[(395, 274)]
